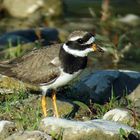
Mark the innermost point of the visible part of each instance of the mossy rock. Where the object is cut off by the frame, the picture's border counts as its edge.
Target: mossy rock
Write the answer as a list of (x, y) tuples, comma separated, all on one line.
[(11, 85)]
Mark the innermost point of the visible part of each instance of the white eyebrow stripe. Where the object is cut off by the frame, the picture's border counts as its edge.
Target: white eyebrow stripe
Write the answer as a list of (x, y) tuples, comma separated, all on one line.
[(75, 38), (90, 41)]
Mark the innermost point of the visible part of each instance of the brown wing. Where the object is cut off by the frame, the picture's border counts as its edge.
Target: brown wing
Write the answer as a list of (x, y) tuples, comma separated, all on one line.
[(35, 67)]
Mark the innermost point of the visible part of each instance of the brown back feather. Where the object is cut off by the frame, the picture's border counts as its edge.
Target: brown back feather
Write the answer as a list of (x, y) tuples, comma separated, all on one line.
[(34, 67)]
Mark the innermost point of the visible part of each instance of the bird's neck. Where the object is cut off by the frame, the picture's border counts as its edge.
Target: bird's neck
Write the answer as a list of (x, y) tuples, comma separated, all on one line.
[(71, 63)]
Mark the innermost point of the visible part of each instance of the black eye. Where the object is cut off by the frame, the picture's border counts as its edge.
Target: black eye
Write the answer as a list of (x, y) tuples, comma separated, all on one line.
[(80, 41)]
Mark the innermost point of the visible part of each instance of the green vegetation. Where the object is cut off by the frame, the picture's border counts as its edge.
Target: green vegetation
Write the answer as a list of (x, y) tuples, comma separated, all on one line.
[(58, 136), (25, 110), (123, 134), (25, 113), (11, 51)]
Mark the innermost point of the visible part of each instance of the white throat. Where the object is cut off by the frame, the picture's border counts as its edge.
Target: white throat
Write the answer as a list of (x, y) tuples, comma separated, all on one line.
[(77, 53)]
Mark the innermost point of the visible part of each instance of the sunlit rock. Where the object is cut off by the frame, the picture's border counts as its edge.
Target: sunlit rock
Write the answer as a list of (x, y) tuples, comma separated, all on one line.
[(53, 10), (6, 128), (135, 95), (77, 130), (29, 135), (120, 115), (22, 9)]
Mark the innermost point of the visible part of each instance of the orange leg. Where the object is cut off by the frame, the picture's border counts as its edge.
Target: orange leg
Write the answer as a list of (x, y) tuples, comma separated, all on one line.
[(44, 105), (54, 103)]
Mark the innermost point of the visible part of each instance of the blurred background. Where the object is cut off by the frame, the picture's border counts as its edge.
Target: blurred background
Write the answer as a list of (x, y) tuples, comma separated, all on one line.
[(30, 24), (36, 23)]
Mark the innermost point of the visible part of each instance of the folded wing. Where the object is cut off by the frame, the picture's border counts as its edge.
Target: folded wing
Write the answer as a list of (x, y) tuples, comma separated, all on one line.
[(38, 66)]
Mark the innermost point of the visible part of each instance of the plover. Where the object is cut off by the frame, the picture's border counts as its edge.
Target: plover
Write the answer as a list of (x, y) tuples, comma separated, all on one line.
[(54, 66)]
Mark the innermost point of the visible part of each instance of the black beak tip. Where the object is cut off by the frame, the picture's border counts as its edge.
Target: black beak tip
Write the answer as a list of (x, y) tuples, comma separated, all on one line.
[(100, 50)]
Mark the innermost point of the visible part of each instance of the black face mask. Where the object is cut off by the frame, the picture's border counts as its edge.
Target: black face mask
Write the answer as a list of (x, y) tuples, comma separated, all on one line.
[(78, 44)]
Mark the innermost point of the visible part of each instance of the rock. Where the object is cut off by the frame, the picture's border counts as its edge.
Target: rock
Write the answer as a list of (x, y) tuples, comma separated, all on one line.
[(130, 19), (120, 115), (135, 95), (64, 107), (77, 130), (137, 108), (133, 136), (100, 85), (45, 36), (13, 24), (6, 128), (11, 85), (82, 111), (51, 10), (22, 9), (29, 135)]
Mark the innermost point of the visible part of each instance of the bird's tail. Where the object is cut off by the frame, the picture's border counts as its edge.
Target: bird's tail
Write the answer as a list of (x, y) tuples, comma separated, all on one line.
[(9, 84), (5, 69)]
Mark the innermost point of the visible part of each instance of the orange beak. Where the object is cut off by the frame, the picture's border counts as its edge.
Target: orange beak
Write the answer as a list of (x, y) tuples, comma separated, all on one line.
[(97, 48), (94, 46)]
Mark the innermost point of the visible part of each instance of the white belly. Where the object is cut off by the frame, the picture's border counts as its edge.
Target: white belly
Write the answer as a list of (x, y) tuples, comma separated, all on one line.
[(62, 80)]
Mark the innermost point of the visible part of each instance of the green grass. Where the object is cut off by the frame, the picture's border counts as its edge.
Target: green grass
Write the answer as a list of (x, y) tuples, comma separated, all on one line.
[(11, 52), (18, 50), (26, 115), (25, 110)]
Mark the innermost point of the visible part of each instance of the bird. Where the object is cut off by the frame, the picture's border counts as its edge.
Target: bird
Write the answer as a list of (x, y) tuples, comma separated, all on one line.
[(54, 66)]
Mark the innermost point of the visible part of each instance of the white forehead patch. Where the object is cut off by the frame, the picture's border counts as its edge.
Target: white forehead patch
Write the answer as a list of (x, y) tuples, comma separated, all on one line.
[(90, 41), (75, 38)]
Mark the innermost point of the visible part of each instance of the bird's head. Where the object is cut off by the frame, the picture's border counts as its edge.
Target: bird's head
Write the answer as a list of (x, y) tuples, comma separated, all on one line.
[(81, 43)]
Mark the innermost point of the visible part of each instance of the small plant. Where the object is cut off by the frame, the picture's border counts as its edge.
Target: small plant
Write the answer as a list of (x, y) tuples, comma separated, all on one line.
[(123, 134), (102, 109), (24, 113), (11, 51), (133, 135), (58, 136)]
